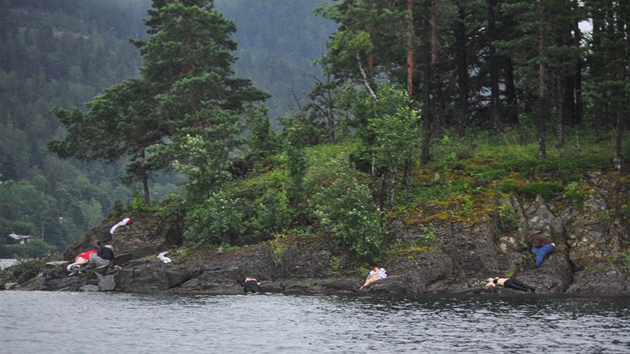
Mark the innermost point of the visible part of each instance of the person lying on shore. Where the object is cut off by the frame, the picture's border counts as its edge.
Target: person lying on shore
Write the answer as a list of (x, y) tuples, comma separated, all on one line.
[(251, 285), (511, 283), (80, 260), (375, 274), (542, 246), (104, 255)]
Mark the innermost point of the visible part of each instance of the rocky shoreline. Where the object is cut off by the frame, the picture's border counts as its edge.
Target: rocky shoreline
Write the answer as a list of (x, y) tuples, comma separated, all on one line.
[(591, 257)]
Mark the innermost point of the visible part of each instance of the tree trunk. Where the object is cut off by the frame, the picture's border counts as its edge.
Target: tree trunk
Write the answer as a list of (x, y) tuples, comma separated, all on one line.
[(560, 114), (410, 49), (462, 66), (144, 177), (542, 53), (493, 66), (510, 93), (426, 94), (392, 184), (577, 38), (618, 141)]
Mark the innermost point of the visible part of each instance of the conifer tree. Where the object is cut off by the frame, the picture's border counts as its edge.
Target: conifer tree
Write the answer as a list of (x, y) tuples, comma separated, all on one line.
[(608, 86), (186, 89)]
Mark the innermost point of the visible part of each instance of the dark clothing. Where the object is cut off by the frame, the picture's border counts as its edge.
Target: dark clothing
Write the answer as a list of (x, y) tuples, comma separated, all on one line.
[(251, 286), (540, 241), (105, 253), (517, 285)]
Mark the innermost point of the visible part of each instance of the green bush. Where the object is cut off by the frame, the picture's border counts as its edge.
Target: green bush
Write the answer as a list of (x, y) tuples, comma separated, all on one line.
[(347, 213), (508, 186), (278, 248), (547, 190), (218, 220), (267, 214), (265, 206), (25, 269), (35, 248), (508, 219), (572, 193)]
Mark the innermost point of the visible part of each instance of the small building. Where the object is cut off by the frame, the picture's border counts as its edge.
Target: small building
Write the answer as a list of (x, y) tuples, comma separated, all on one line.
[(17, 239)]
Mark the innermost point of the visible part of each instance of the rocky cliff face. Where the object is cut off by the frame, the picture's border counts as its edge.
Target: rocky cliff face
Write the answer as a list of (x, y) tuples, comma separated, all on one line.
[(429, 254)]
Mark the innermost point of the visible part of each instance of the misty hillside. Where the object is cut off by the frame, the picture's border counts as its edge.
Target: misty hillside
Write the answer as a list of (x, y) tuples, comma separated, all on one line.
[(62, 53)]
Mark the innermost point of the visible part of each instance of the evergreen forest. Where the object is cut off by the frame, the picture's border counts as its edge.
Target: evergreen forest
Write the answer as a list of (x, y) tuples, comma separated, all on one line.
[(257, 122)]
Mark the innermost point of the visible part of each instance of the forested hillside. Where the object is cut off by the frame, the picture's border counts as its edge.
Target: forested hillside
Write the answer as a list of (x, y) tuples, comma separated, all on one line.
[(418, 103), (57, 53), (278, 43), (62, 53)]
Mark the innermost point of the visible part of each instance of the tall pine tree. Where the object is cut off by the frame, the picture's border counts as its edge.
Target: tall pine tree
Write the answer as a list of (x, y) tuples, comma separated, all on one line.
[(186, 89)]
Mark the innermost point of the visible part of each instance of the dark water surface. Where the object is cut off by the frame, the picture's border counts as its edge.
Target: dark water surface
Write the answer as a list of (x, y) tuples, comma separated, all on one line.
[(62, 322)]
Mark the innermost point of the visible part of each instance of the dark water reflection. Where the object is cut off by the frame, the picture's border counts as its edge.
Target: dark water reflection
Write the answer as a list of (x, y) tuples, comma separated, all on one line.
[(38, 322)]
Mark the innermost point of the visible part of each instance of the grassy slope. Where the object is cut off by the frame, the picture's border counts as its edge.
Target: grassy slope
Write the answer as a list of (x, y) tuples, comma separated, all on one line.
[(465, 173)]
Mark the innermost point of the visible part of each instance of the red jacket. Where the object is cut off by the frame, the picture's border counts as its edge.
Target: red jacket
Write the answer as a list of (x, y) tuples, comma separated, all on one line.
[(86, 254)]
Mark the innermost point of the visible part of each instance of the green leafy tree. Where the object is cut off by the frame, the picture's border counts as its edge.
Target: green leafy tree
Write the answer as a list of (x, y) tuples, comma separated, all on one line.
[(205, 156), (395, 127), (388, 129), (346, 213)]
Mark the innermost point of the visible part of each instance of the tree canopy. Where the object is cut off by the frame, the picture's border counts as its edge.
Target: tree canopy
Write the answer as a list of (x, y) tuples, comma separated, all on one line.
[(185, 88)]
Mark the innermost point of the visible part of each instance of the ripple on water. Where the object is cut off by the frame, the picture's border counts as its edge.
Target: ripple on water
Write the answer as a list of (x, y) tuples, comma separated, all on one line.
[(55, 322)]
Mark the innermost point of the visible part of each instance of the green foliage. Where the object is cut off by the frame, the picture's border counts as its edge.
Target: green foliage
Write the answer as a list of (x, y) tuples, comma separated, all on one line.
[(346, 213), (477, 283), (278, 247), (510, 272), (34, 248), (508, 186), (225, 247), (545, 189), (263, 141), (364, 271), (186, 98), (26, 210), (335, 265), (428, 237), (138, 202), (155, 120), (204, 156), (297, 165), (508, 219), (239, 214), (449, 159), (216, 221), (572, 193), (25, 269), (604, 218), (266, 213)]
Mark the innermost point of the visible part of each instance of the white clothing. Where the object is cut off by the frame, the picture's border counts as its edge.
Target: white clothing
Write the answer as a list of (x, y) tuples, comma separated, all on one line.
[(382, 274)]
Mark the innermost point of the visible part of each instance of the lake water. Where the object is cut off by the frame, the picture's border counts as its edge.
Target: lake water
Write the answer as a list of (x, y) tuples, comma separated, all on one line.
[(64, 322), (7, 262)]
